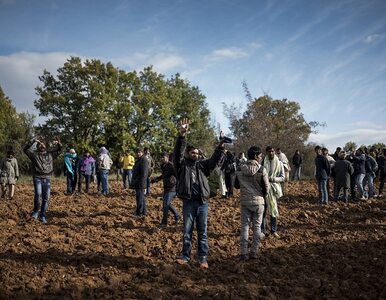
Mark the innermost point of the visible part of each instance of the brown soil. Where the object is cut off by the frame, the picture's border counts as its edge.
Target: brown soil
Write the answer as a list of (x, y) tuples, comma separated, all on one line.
[(93, 247)]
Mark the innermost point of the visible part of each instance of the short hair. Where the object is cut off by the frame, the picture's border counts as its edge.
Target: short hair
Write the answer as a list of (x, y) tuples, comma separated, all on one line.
[(324, 149), (338, 149), (139, 149), (317, 148), (269, 148), (189, 148), (253, 151), (163, 154), (10, 152)]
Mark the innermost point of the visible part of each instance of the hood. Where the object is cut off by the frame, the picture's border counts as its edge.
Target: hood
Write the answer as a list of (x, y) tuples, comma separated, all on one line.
[(249, 168)]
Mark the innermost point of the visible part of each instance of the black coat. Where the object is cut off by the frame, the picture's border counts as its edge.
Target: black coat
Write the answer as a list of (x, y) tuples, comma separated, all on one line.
[(297, 160), (343, 170), (168, 177), (184, 166), (323, 169), (140, 173)]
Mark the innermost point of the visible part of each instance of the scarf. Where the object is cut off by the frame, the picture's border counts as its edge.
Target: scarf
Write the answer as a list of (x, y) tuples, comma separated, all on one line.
[(274, 192), (68, 157)]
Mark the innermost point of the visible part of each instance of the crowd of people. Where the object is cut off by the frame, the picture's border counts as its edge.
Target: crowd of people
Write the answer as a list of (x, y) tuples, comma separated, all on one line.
[(259, 176)]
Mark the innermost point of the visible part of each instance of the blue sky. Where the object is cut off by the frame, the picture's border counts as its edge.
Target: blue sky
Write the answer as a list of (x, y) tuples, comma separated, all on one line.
[(328, 55)]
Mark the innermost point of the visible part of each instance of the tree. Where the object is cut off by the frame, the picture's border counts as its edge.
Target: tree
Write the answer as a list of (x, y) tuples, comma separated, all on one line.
[(92, 104), (350, 146), (15, 129)]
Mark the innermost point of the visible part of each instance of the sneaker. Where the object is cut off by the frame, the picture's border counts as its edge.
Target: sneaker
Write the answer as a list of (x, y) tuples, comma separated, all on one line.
[(380, 195), (204, 265), (181, 261), (275, 234), (262, 236), (44, 220), (35, 215)]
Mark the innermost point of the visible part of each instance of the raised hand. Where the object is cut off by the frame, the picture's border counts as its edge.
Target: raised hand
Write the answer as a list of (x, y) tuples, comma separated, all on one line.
[(184, 126)]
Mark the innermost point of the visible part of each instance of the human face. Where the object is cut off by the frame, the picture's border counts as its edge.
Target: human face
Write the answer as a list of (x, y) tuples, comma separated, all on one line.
[(271, 153), (41, 147), (139, 154), (259, 157), (164, 159), (194, 154)]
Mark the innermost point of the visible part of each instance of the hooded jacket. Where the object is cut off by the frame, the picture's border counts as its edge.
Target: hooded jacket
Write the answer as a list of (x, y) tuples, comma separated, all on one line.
[(42, 162), (254, 182), (184, 168)]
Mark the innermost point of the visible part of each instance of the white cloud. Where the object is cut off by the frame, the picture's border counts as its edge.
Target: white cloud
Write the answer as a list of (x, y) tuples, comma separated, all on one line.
[(162, 62), (227, 53), (372, 38), (19, 74), (362, 136)]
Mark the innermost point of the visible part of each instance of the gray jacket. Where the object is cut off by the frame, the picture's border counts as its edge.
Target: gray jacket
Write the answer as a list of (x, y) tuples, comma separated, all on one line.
[(253, 179), (343, 169), (9, 171)]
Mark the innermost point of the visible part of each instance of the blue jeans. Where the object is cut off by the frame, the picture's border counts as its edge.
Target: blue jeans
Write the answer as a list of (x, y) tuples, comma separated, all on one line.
[(322, 187), (296, 173), (167, 205), (42, 187), (369, 181), (272, 221), (105, 181), (359, 183), (141, 203), (195, 211), (126, 176)]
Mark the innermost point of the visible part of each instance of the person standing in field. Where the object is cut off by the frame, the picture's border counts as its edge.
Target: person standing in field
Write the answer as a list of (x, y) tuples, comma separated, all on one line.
[(9, 174), (104, 165), (253, 182), (382, 171), (151, 169), (276, 177), (70, 163), (323, 171), (42, 169), (86, 170), (169, 183), (139, 182), (127, 161), (193, 188), (297, 162), (343, 170)]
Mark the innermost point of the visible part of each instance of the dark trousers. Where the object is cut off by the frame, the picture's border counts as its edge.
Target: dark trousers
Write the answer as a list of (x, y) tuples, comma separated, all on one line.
[(229, 183), (87, 179), (71, 182), (141, 202)]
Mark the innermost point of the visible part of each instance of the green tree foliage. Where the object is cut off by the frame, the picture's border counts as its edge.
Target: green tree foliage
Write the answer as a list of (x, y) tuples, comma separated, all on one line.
[(92, 104), (15, 128), (350, 146)]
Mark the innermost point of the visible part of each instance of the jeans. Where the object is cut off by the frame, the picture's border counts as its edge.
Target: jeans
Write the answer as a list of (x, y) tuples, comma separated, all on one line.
[(337, 191), (195, 211), (42, 187), (71, 182), (322, 187), (381, 182), (126, 176), (87, 179), (250, 214), (141, 202), (148, 186), (273, 221), (105, 181), (359, 183), (296, 173), (167, 205), (369, 181)]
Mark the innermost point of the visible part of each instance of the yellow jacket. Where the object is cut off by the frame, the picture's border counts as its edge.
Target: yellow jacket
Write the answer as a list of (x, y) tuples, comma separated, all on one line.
[(127, 162)]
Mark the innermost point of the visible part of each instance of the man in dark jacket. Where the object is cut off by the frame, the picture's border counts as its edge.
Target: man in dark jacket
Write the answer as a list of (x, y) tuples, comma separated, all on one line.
[(138, 182), (42, 169), (169, 182), (382, 171), (193, 189), (297, 161), (322, 173), (343, 170), (359, 163), (371, 167)]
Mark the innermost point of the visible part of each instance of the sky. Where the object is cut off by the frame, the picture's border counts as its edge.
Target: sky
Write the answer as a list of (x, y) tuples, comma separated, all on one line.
[(327, 55)]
